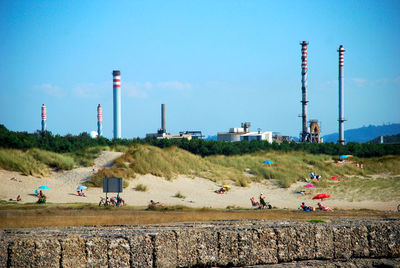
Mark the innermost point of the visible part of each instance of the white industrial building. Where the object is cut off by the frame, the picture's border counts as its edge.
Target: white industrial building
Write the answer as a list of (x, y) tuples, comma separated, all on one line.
[(243, 133), (257, 136)]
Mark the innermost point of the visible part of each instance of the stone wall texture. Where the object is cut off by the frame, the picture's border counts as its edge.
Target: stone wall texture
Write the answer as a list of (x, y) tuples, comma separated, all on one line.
[(240, 243)]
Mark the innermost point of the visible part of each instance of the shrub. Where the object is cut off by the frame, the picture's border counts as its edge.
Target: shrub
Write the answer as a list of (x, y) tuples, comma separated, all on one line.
[(179, 195), (141, 188)]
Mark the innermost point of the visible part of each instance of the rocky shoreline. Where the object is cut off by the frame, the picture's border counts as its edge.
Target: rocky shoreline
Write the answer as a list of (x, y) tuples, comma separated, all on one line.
[(253, 243)]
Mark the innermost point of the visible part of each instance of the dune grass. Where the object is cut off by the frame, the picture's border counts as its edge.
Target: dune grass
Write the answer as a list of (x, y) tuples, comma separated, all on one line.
[(364, 188), (288, 167), (167, 163), (54, 160), (179, 195), (16, 160), (141, 188), (86, 157), (37, 162)]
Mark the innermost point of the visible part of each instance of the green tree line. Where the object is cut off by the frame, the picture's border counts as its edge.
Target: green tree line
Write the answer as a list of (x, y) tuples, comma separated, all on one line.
[(70, 143)]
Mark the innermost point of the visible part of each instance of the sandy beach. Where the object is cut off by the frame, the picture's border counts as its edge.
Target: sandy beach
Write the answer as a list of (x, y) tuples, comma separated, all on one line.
[(198, 192)]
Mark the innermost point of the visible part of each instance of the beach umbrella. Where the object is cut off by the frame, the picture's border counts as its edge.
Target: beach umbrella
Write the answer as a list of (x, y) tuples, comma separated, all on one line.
[(81, 187), (44, 187), (268, 162), (309, 186), (321, 196), (225, 186), (334, 177), (343, 156)]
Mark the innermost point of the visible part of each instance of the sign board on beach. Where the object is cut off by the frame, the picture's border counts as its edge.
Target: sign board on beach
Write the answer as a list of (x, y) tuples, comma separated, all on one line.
[(112, 185)]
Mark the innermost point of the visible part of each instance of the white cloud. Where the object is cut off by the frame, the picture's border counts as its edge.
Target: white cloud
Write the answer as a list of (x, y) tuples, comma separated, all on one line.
[(87, 90), (51, 90), (136, 90), (174, 85), (361, 82)]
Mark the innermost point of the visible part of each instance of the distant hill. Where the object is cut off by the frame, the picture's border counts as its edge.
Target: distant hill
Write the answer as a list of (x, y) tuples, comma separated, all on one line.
[(365, 134)]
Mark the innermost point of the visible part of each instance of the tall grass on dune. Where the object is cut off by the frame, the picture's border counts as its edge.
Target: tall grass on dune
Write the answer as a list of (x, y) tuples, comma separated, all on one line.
[(16, 160), (54, 160), (288, 167), (86, 157), (364, 188), (291, 167), (168, 163)]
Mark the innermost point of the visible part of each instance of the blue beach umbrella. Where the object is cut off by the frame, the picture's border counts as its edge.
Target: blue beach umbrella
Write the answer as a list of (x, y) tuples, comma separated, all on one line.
[(268, 162), (343, 156), (81, 187), (44, 187)]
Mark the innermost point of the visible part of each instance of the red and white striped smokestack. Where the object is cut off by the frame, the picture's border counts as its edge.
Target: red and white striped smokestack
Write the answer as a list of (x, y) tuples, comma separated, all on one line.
[(99, 120), (304, 101), (117, 103), (44, 117)]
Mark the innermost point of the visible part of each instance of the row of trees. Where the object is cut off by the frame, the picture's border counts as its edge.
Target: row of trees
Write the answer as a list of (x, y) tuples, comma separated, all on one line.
[(55, 143), (69, 143)]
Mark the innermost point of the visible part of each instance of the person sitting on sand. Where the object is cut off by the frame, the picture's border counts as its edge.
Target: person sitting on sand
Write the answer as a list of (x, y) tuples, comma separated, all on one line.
[(254, 203), (154, 203), (19, 198), (324, 208), (120, 201), (262, 200), (303, 192), (222, 190), (306, 208)]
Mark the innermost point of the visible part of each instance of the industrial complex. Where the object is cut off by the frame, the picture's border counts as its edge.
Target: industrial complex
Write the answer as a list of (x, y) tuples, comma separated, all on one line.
[(311, 130)]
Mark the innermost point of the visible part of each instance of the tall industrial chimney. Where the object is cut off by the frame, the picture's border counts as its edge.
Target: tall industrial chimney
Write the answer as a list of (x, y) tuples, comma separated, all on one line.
[(163, 121), (117, 103), (44, 117), (304, 89), (341, 120), (99, 121)]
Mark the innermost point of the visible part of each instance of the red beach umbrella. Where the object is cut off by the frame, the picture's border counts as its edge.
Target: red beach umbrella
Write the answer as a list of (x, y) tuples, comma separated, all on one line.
[(334, 177), (321, 196)]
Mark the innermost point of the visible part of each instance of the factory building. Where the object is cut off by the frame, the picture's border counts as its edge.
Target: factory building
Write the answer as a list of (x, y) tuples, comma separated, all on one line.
[(162, 132), (244, 133), (257, 136)]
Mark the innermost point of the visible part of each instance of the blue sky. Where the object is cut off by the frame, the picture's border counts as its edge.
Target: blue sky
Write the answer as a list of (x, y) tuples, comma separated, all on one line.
[(214, 64)]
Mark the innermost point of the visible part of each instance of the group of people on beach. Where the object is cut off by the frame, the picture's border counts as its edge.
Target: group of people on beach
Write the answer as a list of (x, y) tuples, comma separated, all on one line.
[(304, 207), (262, 203), (18, 199), (314, 176)]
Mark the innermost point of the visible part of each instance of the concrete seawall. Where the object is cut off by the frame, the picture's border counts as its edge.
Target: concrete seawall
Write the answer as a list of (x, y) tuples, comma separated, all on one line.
[(348, 242)]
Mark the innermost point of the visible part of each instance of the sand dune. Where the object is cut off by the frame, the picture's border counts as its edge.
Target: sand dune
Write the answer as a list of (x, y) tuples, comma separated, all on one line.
[(199, 192)]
